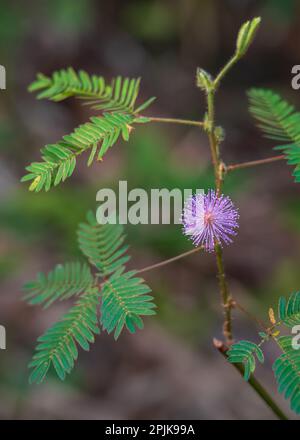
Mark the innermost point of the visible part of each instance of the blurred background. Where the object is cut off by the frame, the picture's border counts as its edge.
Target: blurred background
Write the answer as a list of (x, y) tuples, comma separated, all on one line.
[(170, 370)]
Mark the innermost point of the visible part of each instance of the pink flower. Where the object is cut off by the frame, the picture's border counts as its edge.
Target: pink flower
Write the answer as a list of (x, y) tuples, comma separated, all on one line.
[(209, 219)]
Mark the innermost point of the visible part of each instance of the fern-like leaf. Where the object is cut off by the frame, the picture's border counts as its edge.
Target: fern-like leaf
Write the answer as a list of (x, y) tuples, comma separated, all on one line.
[(59, 160), (289, 310), (103, 245), (58, 346), (279, 121), (243, 352), (117, 99), (124, 298), (124, 301), (287, 372), (276, 117), (119, 95), (63, 282), (66, 83)]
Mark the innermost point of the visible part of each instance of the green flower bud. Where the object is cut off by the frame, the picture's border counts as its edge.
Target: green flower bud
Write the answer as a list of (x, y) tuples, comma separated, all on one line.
[(246, 35), (219, 134), (204, 80)]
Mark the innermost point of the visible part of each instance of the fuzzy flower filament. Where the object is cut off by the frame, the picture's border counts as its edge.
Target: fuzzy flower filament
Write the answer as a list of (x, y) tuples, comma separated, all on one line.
[(208, 219)]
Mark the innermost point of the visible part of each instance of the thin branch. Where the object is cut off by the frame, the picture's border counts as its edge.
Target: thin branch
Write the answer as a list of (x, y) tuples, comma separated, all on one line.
[(253, 163), (225, 294), (218, 169), (213, 144), (259, 322), (225, 69), (177, 121), (170, 260), (253, 383)]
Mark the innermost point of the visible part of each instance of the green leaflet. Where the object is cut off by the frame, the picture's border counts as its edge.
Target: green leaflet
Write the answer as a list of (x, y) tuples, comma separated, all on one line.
[(59, 160), (124, 300), (276, 117), (58, 346), (289, 310), (119, 95), (243, 352), (116, 99), (103, 245), (63, 282), (287, 372), (122, 296), (287, 366), (279, 121)]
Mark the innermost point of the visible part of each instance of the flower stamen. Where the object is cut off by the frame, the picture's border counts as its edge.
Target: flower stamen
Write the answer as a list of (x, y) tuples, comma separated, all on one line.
[(209, 219)]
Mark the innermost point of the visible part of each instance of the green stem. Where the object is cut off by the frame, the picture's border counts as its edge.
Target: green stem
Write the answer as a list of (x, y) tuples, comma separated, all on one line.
[(224, 70), (218, 169), (254, 163), (225, 294), (259, 322), (211, 135), (177, 121), (254, 383), (227, 300), (170, 260)]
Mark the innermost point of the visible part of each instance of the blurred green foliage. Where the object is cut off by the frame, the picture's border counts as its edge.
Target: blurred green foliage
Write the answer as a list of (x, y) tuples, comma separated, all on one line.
[(69, 15), (151, 20)]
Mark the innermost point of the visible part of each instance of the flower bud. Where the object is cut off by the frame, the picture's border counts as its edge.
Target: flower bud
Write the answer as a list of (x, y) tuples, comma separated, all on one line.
[(219, 134), (204, 80), (246, 35)]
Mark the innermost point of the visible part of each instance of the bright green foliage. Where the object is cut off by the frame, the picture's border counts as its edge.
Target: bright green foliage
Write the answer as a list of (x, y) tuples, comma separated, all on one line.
[(287, 367), (289, 310), (243, 352), (58, 346), (287, 372), (119, 95), (103, 245), (63, 282), (121, 296), (124, 300), (279, 121), (66, 83), (59, 160), (117, 99), (276, 117)]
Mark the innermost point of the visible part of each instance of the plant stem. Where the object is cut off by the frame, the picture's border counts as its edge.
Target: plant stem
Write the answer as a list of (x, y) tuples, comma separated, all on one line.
[(254, 383), (225, 294), (214, 150), (259, 322), (253, 163), (224, 70), (218, 169), (177, 121), (170, 260)]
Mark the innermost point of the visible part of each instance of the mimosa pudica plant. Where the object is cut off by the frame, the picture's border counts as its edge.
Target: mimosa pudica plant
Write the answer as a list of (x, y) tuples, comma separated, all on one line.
[(107, 295)]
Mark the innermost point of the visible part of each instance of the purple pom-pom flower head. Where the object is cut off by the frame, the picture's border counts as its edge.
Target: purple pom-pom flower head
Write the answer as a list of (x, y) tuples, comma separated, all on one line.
[(209, 219)]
